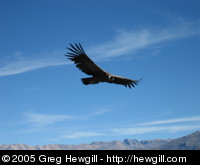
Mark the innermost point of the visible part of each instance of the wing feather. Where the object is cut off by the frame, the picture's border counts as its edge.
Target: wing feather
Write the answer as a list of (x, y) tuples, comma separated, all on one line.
[(75, 49), (81, 48), (124, 81), (77, 53), (82, 61)]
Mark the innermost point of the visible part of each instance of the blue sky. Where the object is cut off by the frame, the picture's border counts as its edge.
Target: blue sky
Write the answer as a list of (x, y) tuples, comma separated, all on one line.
[(42, 99)]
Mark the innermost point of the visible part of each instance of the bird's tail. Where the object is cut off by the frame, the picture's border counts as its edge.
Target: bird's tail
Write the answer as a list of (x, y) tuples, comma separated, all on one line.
[(87, 81), (90, 80)]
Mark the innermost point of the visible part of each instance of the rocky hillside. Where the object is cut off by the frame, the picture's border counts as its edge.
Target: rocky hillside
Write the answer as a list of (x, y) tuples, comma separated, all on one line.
[(189, 142)]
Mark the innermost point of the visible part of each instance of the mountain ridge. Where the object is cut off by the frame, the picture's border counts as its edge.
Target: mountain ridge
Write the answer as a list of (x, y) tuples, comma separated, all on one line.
[(188, 142)]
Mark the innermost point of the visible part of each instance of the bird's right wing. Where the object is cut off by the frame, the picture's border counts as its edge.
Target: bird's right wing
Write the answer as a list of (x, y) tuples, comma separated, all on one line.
[(124, 81), (82, 61)]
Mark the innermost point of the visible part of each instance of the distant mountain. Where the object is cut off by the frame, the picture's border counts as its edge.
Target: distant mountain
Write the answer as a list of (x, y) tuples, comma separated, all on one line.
[(189, 142), (127, 144)]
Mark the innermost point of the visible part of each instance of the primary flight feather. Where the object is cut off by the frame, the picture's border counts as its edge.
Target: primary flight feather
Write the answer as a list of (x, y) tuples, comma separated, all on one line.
[(85, 64)]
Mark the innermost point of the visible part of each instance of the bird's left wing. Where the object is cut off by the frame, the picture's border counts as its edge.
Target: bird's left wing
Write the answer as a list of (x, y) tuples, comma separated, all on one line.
[(82, 61)]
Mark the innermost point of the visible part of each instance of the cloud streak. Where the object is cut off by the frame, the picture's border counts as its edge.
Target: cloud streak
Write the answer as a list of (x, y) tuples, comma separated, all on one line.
[(124, 42), (22, 64), (177, 120), (45, 119), (160, 126), (145, 128), (81, 135), (151, 129), (39, 119)]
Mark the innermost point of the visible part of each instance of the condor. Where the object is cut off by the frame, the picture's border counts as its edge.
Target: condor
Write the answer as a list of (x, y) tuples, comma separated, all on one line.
[(86, 65)]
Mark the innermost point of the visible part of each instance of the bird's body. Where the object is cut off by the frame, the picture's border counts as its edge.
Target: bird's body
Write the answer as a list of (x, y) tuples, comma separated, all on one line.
[(85, 64)]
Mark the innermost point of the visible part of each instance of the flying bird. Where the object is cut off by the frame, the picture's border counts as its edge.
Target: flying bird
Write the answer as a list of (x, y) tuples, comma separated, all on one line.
[(86, 65)]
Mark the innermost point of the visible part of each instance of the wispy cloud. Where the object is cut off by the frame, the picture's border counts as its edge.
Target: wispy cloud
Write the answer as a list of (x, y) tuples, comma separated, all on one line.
[(39, 119), (41, 122), (23, 64), (99, 112), (131, 131), (145, 128), (45, 119), (188, 123), (38, 122), (176, 120), (81, 135), (150, 129), (124, 42)]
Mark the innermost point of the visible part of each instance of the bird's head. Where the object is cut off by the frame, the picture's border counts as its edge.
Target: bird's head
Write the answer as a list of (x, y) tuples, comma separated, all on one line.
[(111, 78)]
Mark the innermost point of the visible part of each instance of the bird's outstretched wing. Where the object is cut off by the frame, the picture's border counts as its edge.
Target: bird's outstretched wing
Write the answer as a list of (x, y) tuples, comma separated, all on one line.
[(124, 81), (82, 61)]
